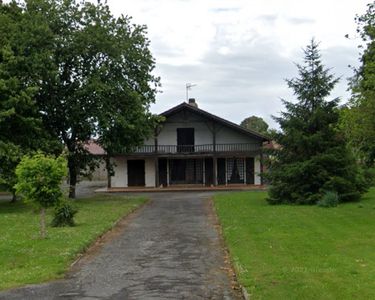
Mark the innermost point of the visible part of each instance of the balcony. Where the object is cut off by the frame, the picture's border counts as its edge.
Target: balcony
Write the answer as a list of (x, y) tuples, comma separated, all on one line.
[(198, 149)]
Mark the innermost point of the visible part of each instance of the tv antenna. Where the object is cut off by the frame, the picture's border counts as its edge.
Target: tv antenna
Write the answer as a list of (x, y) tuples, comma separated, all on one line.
[(188, 87)]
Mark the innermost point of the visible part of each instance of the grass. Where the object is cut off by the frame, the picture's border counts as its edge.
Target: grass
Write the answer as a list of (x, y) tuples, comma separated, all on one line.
[(300, 252), (24, 258)]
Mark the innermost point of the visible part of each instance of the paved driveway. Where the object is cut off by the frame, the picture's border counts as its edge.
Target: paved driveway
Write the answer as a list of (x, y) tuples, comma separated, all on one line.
[(169, 250)]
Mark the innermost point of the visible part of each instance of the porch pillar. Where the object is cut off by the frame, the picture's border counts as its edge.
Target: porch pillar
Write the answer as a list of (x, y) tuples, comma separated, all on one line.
[(167, 171), (204, 171), (215, 170), (156, 133), (244, 170)]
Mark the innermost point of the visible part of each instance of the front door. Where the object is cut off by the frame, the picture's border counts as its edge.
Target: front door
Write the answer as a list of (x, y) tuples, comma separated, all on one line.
[(185, 139), (209, 171), (136, 172), (163, 173), (250, 170), (221, 171)]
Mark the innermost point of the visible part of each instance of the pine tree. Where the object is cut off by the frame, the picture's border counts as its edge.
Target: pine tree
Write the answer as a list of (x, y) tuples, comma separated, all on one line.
[(313, 158)]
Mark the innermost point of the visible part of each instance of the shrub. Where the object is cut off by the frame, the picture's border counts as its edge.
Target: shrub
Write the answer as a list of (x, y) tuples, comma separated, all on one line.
[(329, 199), (38, 182), (64, 215), (370, 176)]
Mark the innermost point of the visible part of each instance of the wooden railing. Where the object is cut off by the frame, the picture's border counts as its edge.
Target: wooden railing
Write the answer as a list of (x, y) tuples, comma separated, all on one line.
[(207, 148)]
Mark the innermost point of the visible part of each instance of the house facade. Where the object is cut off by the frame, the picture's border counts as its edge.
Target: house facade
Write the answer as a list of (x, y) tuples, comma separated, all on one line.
[(192, 147)]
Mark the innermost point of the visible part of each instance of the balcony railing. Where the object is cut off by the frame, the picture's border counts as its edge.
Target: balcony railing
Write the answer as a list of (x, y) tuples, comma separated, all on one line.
[(207, 148)]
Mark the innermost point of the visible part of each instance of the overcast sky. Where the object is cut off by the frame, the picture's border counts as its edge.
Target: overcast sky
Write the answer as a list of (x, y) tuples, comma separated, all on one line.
[(239, 52)]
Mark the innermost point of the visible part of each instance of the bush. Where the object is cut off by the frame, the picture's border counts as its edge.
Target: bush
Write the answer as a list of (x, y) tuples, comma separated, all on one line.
[(64, 215), (370, 176), (329, 199), (38, 182)]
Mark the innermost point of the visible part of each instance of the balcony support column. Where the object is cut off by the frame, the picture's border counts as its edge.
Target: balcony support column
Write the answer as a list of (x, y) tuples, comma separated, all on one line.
[(204, 171), (215, 170), (214, 137), (167, 171)]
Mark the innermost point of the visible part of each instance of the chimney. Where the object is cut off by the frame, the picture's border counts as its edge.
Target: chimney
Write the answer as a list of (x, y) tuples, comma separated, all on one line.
[(192, 102)]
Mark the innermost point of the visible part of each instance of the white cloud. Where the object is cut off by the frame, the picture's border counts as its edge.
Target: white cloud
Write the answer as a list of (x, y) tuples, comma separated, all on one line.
[(239, 51)]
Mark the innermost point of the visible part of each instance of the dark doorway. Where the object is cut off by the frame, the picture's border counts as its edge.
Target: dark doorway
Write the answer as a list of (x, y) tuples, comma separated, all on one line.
[(185, 139), (177, 170), (250, 170), (186, 171), (163, 172), (221, 171), (209, 172), (136, 172)]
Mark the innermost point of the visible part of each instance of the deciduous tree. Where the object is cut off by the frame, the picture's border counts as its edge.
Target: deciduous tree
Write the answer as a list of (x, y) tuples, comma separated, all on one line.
[(21, 129), (256, 124), (358, 119), (93, 73)]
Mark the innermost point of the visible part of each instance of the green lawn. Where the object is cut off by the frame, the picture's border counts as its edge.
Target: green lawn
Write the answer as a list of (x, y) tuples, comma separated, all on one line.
[(300, 252), (24, 258)]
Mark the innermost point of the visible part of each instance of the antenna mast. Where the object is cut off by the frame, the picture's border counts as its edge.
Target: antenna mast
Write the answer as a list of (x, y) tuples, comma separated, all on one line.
[(188, 87)]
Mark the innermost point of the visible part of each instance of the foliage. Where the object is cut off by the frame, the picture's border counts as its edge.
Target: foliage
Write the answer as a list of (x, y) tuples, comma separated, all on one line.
[(358, 120), (276, 250), (256, 124), (93, 73), (313, 157), (35, 262), (329, 199), (21, 130), (39, 178), (64, 215), (38, 181)]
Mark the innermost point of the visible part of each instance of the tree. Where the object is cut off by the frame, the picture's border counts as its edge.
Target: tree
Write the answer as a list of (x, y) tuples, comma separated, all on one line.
[(21, 129), (313, 158), (358, 119), (38, 181), (93, 71), (256, 124)]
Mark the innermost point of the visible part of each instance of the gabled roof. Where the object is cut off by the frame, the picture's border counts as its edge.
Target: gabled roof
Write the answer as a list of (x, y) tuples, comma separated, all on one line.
[(217, 119), (94, 148)]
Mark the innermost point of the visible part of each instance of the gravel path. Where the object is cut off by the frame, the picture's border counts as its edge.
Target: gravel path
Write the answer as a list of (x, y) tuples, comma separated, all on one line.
[(169, 250)]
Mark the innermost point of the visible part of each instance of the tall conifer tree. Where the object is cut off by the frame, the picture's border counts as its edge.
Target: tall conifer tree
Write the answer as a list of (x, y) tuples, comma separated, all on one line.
[(313, 157)]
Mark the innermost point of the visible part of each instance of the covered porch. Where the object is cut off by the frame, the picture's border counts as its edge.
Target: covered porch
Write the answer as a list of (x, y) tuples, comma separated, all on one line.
[(182, 188), (182, 171), (207, 171)]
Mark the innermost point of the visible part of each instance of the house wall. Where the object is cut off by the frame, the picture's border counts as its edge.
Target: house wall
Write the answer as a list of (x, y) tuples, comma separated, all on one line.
[(226, 135), (121, 175), (100, 173), (121, 172), (168, 134), (203, 135)]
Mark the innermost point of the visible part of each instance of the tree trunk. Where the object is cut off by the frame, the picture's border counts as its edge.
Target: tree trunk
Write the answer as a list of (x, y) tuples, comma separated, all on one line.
[(14, 197), (43, 232), (72, 177)]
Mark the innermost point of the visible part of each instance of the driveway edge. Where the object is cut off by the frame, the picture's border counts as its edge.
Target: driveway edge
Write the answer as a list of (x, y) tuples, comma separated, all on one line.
[(238, 289)]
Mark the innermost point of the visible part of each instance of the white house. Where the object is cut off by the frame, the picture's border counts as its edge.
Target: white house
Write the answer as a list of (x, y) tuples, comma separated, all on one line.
[(193, 147)]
